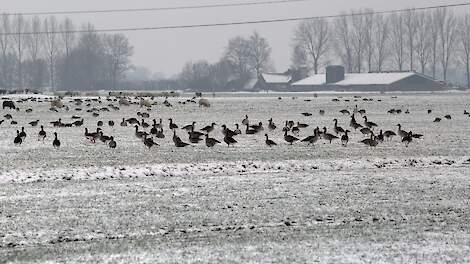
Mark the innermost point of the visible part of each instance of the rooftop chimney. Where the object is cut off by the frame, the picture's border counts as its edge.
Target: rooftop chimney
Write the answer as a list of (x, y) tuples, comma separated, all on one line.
[(334, 73)]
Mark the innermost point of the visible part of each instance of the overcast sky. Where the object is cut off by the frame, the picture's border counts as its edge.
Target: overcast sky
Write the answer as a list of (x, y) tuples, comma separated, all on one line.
[(166, 51)]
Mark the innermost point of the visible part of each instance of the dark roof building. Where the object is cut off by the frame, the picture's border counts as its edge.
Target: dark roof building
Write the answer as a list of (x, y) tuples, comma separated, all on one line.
[(336, 80)]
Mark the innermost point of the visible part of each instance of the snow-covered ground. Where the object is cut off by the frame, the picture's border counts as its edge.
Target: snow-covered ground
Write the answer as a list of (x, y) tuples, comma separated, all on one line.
[(325, 203)]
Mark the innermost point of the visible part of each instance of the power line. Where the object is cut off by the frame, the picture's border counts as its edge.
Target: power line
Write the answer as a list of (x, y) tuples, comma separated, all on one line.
[(131, 10), (109, 30)]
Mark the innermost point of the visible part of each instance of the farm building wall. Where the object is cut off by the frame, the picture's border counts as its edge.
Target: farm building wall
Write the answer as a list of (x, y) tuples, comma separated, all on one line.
[(416, 83)]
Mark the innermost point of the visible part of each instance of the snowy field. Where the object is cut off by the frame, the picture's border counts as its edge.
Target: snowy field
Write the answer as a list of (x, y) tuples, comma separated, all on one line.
[(87, 203)]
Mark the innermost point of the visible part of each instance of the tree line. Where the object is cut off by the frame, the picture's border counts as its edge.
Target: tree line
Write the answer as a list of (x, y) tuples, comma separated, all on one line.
[(429, 42), (38, 54)]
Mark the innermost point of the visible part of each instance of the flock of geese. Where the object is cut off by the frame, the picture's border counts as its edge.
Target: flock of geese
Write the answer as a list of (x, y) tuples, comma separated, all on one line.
[(150, 133)]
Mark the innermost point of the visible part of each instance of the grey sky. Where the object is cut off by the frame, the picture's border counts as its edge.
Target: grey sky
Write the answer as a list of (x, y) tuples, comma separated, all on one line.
[(166, 51)]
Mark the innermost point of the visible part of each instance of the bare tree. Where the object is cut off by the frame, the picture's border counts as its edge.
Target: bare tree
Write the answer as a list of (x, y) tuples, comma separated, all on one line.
[(34, 42), (359, 30), (411, 28), (434, 38), (67, 35), (423, 40), (259, 54), (5, 45), (464, 37), (51, 46), (19, 26), (369, 39), (382, 33), (447, 35), (312, 36), (237, 53), (398, 40), (119, 51), (344, 41), (298, 57)]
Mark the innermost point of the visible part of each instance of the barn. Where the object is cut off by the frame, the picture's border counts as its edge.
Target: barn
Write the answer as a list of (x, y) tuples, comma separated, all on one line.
[(273, 81), (335, 79)]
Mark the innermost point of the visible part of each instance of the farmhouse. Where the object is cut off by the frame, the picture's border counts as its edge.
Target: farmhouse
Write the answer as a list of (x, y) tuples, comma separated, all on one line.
[(335, 79), (274, 81)]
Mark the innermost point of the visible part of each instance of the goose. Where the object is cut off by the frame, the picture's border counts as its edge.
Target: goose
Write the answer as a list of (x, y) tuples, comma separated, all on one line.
[(56, 142), (437, 120), (401, 133), (271, 124), (289, 139), (57, 123), (209, 128), (181, 144), (407, 111), (99, 123), (328, 136), (312, 139), (286, 127), (465, 112), (95, 114), (42, 134), (237, 130), (295, 130), (111, 123), (148, 142), (172, 125), (229, 140), (380, 137), (246, 121), (8, 116), (78, 123), (133, 121), (258, 127), (123, 122), (338, 129), (92, 136), (227, 132), (269, 142), (389, 134), (103, 138), (301, 125), (366, 131), (369, 124), (22, 134), (154, 130), (34, 123), (345, 138), (345, 112), (429, 111), (188, 127), (250, 131), (210, 142), (160, 134), (407, 139), (1, 121), (112, 144), (144, 124), (18, 139), (448, 117), (160, 123), (139, 134), (321, 112), (76, 117), (417, 135), (306, 114), (362, 112), (290, 123), (175, 138), (372, 142)]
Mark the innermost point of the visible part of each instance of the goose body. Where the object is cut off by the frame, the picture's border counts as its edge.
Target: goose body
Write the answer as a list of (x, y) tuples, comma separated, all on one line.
[(210, 142), (289, 139), (269, 142), (42, 134), (56, 142)]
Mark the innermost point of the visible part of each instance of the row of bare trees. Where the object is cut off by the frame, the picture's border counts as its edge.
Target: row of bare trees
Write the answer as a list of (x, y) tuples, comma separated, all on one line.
[(37, 53), (430, 42), (243, 59)]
